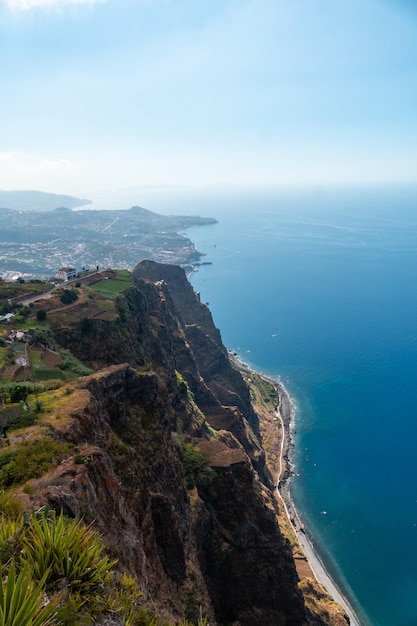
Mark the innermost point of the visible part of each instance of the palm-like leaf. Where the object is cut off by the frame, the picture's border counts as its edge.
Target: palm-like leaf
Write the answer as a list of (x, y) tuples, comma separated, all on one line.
[(68, 550), (21, 601), (9, 528)]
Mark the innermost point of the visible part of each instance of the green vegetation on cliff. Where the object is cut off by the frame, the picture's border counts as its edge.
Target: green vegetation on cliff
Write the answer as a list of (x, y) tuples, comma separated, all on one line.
[(151, 448), (56, 571)]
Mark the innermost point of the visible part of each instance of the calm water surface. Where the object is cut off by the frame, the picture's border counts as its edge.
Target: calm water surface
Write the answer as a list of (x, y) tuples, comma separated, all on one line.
[(321, 290)]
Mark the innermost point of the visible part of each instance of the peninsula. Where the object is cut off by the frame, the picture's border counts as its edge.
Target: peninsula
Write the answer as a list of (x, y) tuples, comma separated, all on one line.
[(36, 244)]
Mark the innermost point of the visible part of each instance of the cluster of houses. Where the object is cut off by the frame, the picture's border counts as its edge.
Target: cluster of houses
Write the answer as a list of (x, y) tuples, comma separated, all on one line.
[(64, 274), (19, 335)]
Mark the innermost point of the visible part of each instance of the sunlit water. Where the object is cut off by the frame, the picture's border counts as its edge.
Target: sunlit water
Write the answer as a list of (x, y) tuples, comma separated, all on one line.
[(321, 290)]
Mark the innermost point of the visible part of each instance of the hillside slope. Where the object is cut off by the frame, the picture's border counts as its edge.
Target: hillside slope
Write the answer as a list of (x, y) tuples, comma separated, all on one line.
[(165, 459)]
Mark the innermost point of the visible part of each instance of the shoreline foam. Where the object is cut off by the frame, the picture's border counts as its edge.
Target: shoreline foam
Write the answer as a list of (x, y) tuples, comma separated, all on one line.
[(287, 416)]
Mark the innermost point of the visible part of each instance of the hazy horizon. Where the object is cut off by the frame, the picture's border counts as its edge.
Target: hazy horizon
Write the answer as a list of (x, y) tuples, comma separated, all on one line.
[(115, 94)]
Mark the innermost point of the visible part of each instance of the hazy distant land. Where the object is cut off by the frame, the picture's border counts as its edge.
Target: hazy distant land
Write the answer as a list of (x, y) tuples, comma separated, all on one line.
[(38, 243), (30, 200)]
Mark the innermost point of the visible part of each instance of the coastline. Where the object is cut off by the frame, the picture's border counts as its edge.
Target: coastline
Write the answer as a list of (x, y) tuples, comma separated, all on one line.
[(286, 414)]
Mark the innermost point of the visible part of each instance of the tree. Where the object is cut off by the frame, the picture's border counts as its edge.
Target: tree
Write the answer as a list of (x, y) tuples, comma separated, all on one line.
[(68, 296), (41, 315), (25, 311), (18, 392)]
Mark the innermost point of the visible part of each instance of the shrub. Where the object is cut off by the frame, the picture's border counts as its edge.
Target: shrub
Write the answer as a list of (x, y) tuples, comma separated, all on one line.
[(18, 392), (197, 472), (5, 308), (72, 364), (10, 535), (41, 315), (68, 296), (125, 599), (66, 551), (16, 416), (15, 392), (45, 337), (25, 311), (30, 460), (50, 556), (9, 506), (86, 325)]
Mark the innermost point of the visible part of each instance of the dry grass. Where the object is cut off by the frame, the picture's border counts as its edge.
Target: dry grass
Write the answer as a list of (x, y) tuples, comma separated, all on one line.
[(265, 401), (60, 406), (320, 604)]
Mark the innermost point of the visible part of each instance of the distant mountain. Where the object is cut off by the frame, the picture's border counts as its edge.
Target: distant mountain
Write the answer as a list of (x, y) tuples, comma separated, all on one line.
[(29, 200)]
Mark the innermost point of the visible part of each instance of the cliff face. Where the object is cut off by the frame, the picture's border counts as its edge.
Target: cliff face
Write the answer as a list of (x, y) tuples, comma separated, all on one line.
[(169, 464)]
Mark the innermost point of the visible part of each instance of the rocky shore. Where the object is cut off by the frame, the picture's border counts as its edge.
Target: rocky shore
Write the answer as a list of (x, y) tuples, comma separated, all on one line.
[(287, 411)]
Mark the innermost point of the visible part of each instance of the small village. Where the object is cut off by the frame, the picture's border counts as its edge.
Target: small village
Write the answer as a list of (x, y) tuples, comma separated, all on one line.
[(31, 309)]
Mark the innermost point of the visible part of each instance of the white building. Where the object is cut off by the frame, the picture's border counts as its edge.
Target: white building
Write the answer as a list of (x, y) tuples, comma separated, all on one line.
[(66, 273), (7, 317)]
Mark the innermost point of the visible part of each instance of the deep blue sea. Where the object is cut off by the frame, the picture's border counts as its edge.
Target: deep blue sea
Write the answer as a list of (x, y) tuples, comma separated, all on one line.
[(320, 288)]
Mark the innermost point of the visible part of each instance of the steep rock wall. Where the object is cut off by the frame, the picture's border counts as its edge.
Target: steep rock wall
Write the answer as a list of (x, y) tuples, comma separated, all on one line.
[(165, 388)]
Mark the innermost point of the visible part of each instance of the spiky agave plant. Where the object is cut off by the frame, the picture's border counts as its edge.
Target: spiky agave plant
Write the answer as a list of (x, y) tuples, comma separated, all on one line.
[(21, 600), (68, 551), (11, 531)]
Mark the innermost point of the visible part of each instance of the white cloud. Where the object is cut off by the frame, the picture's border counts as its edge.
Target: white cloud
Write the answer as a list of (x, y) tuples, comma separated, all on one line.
[(23, 160), (24, 5), (61, 164), (12, 157), (20, 170)]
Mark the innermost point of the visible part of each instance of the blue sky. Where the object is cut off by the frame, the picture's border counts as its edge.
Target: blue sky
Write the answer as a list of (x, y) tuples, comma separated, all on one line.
[(110, 94)]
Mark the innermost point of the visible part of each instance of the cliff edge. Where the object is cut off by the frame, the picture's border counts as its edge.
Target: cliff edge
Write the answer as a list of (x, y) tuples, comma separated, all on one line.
[(161, 452)]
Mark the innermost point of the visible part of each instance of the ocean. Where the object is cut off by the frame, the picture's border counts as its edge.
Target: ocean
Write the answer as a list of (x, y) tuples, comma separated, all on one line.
[(319, 288)]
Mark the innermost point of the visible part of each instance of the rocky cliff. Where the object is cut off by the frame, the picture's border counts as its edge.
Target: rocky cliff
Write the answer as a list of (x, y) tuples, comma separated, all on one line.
[(167, 460)]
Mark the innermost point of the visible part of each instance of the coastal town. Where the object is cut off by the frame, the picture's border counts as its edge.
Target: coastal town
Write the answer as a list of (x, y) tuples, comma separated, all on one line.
[(33, 244)]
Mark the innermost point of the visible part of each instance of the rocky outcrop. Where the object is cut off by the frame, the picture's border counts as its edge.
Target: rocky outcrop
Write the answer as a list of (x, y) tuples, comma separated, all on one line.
[(168, 462), (228, 404)]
